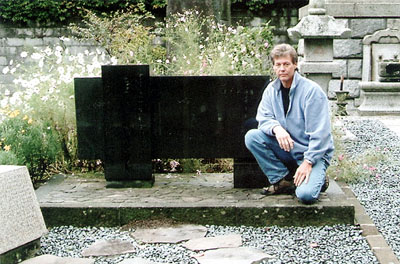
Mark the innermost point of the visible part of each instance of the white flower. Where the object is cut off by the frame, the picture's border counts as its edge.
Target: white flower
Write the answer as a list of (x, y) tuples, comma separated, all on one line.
[(7, 92), (86, 52), (11, 62), (41, 64), (131, 53), (188, 61), (60, 70), (159, 61), (59, 48), (48, 51), (114, 61), (222, 54), (174, 58), (4, 102), (167, 61), (59, 60), (65, 39), (13, 70), (6, 70), (36, 56), (45, 98)]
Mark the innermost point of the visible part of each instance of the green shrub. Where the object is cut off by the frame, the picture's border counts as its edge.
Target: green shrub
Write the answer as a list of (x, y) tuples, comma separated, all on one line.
[(33, 143), (197, 45), (352, 168), (9, 158), (56, 11), (45, 92), (200, 46), (123, 34)]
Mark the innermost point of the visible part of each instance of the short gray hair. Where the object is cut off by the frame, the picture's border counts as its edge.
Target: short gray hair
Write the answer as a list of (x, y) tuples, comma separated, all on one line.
[(281, 50)]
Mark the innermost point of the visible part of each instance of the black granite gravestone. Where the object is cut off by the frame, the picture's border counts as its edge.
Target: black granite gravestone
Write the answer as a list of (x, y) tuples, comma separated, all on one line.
[(128, 118)]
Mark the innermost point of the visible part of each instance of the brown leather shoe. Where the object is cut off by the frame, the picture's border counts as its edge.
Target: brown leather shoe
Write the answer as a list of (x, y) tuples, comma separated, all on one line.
[(281, 187), (326, 184)]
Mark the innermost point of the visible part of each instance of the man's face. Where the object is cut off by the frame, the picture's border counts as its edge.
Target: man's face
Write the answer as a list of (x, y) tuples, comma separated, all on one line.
[(284, 68)]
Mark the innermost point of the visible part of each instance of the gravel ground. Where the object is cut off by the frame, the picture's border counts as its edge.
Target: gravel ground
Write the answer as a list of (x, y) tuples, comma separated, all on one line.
[(379, 194), (329, 244)]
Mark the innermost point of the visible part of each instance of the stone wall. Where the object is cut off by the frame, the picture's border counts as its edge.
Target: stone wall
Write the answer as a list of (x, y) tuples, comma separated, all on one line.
[(363, 19), (282, 14), (14, 40)]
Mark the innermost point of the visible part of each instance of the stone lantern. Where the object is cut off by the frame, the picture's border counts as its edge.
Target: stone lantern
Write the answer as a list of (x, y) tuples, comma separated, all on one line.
[(318, 31)]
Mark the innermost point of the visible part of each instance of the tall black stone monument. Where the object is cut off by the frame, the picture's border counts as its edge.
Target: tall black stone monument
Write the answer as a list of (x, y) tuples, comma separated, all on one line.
[(127, 118)]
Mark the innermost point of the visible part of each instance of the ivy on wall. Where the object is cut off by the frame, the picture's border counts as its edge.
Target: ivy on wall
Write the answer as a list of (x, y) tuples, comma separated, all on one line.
[(58, 11)]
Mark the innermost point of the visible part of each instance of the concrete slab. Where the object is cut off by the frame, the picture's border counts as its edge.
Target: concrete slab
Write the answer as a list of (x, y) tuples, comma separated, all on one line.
[(174, 234), (240, 255), (207, 243), (203, 199), (108, 248)]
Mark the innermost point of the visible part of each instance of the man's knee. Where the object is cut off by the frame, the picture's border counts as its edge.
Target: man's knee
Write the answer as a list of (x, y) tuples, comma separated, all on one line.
[(306, 195), (252, 136)]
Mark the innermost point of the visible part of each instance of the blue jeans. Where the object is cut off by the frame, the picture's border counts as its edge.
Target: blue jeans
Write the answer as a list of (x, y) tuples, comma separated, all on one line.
[(277, 163)]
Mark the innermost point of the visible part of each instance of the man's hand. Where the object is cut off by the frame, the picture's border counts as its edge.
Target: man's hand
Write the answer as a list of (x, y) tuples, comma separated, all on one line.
[(302, 173), (283, 138)]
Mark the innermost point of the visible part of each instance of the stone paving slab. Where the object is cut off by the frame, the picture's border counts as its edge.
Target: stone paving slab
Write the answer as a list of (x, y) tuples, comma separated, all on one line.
[(198, 199)]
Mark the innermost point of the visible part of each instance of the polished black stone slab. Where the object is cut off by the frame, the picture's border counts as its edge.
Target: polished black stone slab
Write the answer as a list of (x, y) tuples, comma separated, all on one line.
[(89, 116), (127, 118)]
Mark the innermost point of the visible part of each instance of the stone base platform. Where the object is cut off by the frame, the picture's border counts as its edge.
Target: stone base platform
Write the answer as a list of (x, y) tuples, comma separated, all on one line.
[(190, 198)]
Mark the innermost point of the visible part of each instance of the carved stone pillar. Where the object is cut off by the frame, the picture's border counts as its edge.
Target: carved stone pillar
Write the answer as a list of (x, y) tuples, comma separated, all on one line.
[(318, 31)]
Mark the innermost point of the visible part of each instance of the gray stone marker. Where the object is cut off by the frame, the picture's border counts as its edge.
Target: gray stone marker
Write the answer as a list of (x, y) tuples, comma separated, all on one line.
[(169, 234), (21, 221), (108, 248)]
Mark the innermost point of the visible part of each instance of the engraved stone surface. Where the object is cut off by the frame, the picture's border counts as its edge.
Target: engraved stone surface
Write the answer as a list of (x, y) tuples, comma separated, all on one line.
[(240, 255), (169, 234), (21, 220), (207, 243), (108, 248)]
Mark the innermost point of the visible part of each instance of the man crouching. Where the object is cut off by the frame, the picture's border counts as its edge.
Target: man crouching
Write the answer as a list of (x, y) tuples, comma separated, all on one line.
[(293, 142)]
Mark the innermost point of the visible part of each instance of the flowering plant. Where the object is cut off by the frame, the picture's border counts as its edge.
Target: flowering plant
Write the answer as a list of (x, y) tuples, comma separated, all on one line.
[(29, 142), (200, 46), (353, 168), (45, 93)]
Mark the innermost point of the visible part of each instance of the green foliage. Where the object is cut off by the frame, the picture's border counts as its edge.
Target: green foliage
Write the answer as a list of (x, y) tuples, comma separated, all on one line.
[(197, 45), (200, 46), (123, 35), (352, 168), (45, 93), (32, 143), (55, 11), (9, 158), (255, 5)]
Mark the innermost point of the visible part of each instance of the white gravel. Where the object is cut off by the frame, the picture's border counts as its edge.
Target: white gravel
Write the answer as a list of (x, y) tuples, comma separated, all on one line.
[(330, 244)]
